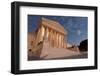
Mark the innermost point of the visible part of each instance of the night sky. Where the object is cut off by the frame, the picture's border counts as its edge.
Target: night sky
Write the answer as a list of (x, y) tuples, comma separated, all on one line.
[(77, 27)]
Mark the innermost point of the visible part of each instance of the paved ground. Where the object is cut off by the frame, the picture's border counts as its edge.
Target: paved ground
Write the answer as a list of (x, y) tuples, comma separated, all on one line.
[(48, 52), (57, 53), (51, 52), (82, 55)]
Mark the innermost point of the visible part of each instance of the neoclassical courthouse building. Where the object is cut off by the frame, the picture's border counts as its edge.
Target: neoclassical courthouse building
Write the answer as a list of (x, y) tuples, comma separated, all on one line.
[(49, 31)]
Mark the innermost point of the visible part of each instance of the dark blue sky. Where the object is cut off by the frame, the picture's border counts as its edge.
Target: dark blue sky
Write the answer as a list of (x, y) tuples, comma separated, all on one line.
[(77, 27)]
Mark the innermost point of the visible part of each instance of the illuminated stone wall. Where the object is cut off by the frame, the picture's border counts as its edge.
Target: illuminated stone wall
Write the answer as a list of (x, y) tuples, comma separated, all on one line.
[(53, 32)]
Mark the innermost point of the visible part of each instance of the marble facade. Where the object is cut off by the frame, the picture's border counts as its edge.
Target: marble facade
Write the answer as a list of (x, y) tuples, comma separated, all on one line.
[(53, 32)]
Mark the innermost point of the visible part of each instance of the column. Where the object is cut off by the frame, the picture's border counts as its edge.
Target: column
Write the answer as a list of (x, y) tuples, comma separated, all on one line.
[(53, 34), (57, 40), (38, 36), (42, 33), (49, 35), (46, 33), (63, 41), (50, 41), (65, 45), (54, 38)]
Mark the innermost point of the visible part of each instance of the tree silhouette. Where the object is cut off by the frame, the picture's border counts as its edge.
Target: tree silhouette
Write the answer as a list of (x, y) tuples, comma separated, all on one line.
[(83, 47)]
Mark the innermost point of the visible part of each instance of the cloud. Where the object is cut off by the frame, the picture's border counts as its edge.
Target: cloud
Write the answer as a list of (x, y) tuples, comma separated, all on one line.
[(78, 32)]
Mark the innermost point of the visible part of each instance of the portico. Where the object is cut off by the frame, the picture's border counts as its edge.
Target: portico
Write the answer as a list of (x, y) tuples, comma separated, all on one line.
[(53, 32)]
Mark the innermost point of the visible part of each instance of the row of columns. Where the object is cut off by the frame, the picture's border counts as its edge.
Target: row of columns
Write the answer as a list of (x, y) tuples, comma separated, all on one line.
[(55, 39)]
